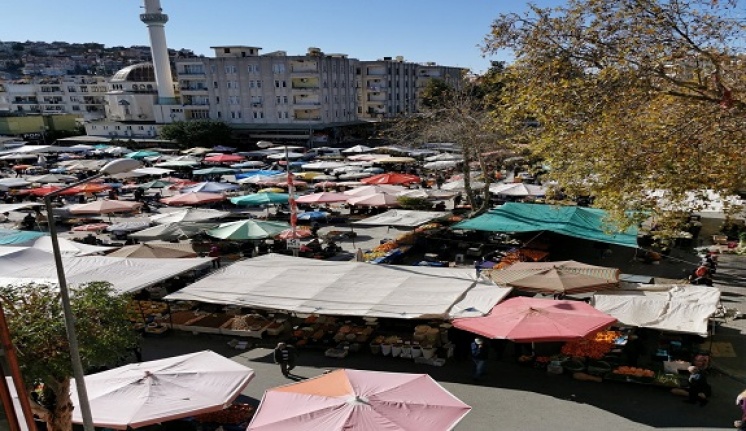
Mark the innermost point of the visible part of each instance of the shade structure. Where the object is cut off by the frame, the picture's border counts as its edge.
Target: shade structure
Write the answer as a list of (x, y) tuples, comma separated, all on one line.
[(271, 190), (172, 231), (376, 200), (146, 393), (325, 185), (358, 149), (307, 176), (193, 198), (282, 156), (529, 320), (355, 175), (313, 215), (157, 184), (518, 189), (209, 187), (105, 206), (391, 178), (262, 179), (360, 400), (459, 185), (152, 250), (188, 215), (213, 171), (248, 229), (197, 150), (7, 183), (87, 188), (444, 157), (223, 158), (557, 277), (52, 178), (91, 227), (442, 164), (248, 164), (373, 189), (414, 193), (139, 155), (41, 191), (177, 164), (298, 234), (397, 160), (322, 198), (322, 166), (261, 199)]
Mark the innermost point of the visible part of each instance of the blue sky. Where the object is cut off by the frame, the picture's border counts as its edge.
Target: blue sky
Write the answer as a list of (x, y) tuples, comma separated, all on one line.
[(445, 31)]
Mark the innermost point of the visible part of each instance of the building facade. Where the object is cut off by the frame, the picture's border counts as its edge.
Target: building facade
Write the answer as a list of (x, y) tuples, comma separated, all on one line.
[(82, 96)]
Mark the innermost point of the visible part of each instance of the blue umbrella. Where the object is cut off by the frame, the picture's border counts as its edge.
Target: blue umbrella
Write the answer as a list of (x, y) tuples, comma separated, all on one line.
[(263, 172), (261, 199), (313, 215)]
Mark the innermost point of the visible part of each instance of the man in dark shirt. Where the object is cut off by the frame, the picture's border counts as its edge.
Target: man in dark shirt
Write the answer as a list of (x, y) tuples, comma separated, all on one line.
[(285, 356), (479, 355)]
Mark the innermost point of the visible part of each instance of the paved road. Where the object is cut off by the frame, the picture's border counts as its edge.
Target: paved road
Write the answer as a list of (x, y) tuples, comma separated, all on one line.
[(512, 397)]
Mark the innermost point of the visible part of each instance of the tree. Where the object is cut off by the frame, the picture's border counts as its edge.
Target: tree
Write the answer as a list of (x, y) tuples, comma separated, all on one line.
[(632, 97), (436, 93), (197, 133), (35, 319)]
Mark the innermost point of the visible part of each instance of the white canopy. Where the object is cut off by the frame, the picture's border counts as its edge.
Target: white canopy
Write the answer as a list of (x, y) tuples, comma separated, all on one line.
[(405, 218), (664, 307), (20, 265), (346, 288), (67, 247)]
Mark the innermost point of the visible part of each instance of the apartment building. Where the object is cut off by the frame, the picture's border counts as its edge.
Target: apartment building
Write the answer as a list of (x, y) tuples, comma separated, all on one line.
[(391, 86), (242, 87), (79, 95)]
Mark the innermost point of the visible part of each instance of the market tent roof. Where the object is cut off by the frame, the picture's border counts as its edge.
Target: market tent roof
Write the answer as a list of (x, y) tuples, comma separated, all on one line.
[(674, 308), (68, 247), (579, 222), (403, 218), (21, 265), (345, 288), (156, 250), (172, 231), (14, 237)]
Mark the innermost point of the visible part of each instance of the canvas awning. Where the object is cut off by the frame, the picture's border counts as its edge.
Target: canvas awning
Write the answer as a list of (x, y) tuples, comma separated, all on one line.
[(579, 222), (402, 218), (281, 282), (21, 265), (674, 308)]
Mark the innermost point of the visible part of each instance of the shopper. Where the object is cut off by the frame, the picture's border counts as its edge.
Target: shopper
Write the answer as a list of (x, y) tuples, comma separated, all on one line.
[(699, 389), (214, 253), (285, 355), (479, 355)]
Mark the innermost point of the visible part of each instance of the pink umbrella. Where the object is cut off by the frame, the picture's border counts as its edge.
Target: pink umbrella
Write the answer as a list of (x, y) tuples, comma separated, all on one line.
[(537, 320), (105, 207), (376, 200), (299, 233), (391, 178), (223, 158), (193, 198), (322, 198), (359, 400)]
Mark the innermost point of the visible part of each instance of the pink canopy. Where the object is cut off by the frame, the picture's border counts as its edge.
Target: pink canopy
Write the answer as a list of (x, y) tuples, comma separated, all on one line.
[(322, 198), (147, 393), (105, 206), (524, 319), (223, 158), (359, 400), (391, 178), (193, 198)]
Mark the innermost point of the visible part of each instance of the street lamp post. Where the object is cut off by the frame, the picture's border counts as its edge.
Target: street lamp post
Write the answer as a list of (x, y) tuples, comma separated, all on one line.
[(291, 190), (114, 167)]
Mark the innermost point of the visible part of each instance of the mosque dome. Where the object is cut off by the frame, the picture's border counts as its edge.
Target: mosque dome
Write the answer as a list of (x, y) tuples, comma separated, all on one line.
[(141, 72)]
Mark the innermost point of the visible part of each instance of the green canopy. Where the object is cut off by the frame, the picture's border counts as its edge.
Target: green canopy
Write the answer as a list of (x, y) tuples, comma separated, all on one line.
[(248, 229), (142, 154), (157, 184), (579, 222), (261, 199)]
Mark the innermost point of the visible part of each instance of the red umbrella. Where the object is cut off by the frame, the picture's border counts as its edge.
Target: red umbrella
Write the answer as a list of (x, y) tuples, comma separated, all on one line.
[(41, 191), (529, 320), (193, 198), (87, 188), (223, 158), (391, 178)]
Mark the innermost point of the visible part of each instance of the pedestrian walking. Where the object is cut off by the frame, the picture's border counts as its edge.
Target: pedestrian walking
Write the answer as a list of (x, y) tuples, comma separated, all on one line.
[(285, 355), (479, 355), (214, 253)]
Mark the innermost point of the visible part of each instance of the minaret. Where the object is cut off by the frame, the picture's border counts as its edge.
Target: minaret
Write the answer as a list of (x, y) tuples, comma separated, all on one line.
[(156, 20)]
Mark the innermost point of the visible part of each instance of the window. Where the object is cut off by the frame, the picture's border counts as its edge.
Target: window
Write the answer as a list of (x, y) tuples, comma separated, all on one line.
[(286, 114), (278, 68), (118, 127), (230, 69), (278, 100), (226, 50), (129, 127), (234, 100), (71, 89), (258, 84), (140, 128), (285, 99), (277, 84), (279, 114), (284, 84), (252, 84)]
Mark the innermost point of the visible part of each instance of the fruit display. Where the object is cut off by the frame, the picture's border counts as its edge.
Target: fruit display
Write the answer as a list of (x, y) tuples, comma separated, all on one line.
[(607, 336), (385, 247), (249, 322), (184, 318), (139, 312), (213, 320), (668, 380), (634, 372), (428, 226), (585, 347), (406, 238)]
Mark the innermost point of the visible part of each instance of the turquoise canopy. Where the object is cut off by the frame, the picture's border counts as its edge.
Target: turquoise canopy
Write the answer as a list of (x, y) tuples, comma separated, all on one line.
[(16, 237), (261, 199), (579, 222)]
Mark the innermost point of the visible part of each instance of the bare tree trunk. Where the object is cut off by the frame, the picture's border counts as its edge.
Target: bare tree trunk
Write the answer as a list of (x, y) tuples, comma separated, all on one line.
[(61, 417)]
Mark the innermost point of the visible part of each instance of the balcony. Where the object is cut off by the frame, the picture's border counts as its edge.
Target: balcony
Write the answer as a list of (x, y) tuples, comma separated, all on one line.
[(376, 97), (307, 114), (304, 67), (378, 88), (193, 88), (192, 72), (376, 71)]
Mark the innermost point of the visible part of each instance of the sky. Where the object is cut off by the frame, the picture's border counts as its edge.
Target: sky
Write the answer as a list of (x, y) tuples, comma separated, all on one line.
[(447, 32)]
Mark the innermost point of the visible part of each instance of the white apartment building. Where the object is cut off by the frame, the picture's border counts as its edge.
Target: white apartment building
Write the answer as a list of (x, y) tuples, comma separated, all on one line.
[(242, 87), (75, 94), (391, 86)]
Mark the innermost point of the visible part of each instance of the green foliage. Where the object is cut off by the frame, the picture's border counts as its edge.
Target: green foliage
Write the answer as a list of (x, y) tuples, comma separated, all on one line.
[(35, 318), (197, 133), (436, 94), (410, 203), (631, 97)]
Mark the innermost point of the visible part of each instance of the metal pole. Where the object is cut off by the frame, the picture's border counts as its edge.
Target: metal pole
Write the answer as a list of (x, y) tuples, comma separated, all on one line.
[(7, 400), (72, 338), (291, 200), (15, 371)]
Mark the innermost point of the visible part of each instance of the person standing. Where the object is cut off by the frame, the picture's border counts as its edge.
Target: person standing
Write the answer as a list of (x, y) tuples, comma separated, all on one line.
[(214, 253), (285, 355), (479, 355), (699, 389)]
